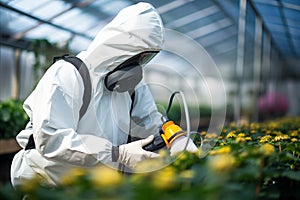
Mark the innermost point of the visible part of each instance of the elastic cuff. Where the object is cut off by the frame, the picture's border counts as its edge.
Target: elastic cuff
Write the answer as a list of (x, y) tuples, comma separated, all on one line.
[(114, 154)]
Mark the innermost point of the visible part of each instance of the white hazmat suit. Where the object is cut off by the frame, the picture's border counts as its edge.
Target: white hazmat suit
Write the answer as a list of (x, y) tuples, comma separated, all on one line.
[(63, 140)]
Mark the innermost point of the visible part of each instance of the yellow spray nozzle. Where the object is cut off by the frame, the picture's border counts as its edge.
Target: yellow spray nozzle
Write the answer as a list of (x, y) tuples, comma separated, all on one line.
[(171, 131)]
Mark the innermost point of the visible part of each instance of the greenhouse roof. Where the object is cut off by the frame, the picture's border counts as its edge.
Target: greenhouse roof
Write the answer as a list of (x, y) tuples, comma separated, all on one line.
[(212, 23)]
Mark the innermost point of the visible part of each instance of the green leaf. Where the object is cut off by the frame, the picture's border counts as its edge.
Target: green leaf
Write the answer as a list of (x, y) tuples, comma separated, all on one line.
[(5, 115), (294, 175)]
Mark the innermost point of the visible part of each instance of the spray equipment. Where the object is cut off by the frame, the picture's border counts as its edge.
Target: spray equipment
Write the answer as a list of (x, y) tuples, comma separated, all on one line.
[(169, 130)]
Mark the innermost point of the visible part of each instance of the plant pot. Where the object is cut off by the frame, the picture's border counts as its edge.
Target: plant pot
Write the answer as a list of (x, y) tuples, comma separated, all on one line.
[(9, 146)]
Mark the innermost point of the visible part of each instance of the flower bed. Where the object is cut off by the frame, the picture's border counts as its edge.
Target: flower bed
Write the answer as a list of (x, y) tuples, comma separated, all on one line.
[(249, 161)]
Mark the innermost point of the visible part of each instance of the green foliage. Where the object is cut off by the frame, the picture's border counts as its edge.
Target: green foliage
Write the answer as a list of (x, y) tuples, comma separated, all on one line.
[(12, 118), (249, 161), (44, 51)]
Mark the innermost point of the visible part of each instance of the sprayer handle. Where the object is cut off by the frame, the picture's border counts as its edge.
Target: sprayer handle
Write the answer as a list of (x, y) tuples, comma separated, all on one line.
[(156, 144)]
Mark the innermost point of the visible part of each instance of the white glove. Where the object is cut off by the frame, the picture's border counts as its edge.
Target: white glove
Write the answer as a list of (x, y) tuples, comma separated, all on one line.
[(179, 144), (132, 153)]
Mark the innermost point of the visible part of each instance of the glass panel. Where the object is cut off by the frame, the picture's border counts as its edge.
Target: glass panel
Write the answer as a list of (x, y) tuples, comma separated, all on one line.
[(293, 2), (16, 22), (76, 20), (204, 21), (219, 36), (48, 32), (95, 29), (113, 7), (292, 14), (50, 9), (267, 10), (42, 8), (28, 5), (276, 28), (79, 44)]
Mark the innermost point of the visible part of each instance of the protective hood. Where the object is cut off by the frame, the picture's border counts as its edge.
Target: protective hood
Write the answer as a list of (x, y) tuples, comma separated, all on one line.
[(137, 28)]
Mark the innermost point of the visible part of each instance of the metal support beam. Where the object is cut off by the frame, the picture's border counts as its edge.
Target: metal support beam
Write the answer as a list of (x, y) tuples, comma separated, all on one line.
[(6, 40), (16, 74), (287, 30), (265, 29), (266, 62), (240, 60), (44, 21), (257, 66)]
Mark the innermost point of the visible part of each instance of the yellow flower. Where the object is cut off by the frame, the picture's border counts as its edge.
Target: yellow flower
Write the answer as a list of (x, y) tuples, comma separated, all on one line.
[(150, 165), (206, 140), (211, 135), (164, 179), (241, 135), (103, 176), (268, 132), (294, 140), (280, 137), (213, 152), (240, 139), (221, 163), (248, 138), (273, 125), (225, 149), (267, 149), (278, 132), (232, 124), (187, 174), (222, 150), (277, 138), (243, 154), (294, 133), (266, 138), (163, 153), (285, 136), (231, 134), (254, 126), (71, 176), (30, 185)]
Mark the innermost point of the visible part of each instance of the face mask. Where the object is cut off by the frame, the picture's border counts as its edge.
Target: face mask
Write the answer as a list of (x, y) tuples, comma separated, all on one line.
[(127, 75), (124, 79)]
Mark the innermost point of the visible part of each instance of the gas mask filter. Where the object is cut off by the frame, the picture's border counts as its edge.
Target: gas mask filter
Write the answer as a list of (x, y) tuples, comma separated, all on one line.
[(127, 75)]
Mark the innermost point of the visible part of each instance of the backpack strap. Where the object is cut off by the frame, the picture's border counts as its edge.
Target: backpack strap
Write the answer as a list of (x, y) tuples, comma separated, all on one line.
[(132, 102), (83, 71), (132, 96)]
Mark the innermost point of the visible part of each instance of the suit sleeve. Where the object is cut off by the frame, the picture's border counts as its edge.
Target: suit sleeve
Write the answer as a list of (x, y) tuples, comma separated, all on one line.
[(55, 113)]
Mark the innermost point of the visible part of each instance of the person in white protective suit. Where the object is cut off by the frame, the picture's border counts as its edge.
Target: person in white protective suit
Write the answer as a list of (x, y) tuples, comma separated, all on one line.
[(62, 140)]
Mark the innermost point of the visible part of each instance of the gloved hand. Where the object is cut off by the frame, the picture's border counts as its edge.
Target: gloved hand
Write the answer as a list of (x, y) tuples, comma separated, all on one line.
[(132, 153), (179, 144)]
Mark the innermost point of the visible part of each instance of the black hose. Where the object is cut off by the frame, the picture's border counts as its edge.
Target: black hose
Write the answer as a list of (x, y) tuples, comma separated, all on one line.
[(170, 101)]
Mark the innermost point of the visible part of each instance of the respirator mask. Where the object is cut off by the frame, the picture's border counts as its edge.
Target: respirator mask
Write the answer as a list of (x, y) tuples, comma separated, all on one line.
[(127, 75)]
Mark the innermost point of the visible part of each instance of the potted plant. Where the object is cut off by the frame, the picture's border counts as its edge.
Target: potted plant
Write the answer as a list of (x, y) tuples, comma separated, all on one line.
[(12, 120)]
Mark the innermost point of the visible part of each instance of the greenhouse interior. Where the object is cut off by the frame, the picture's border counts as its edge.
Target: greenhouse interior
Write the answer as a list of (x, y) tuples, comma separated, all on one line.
[(231, 66)]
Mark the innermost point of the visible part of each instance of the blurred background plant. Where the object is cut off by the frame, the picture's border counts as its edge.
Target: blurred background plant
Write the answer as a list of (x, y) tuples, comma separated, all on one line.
[(12, 118), (249, 161)]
